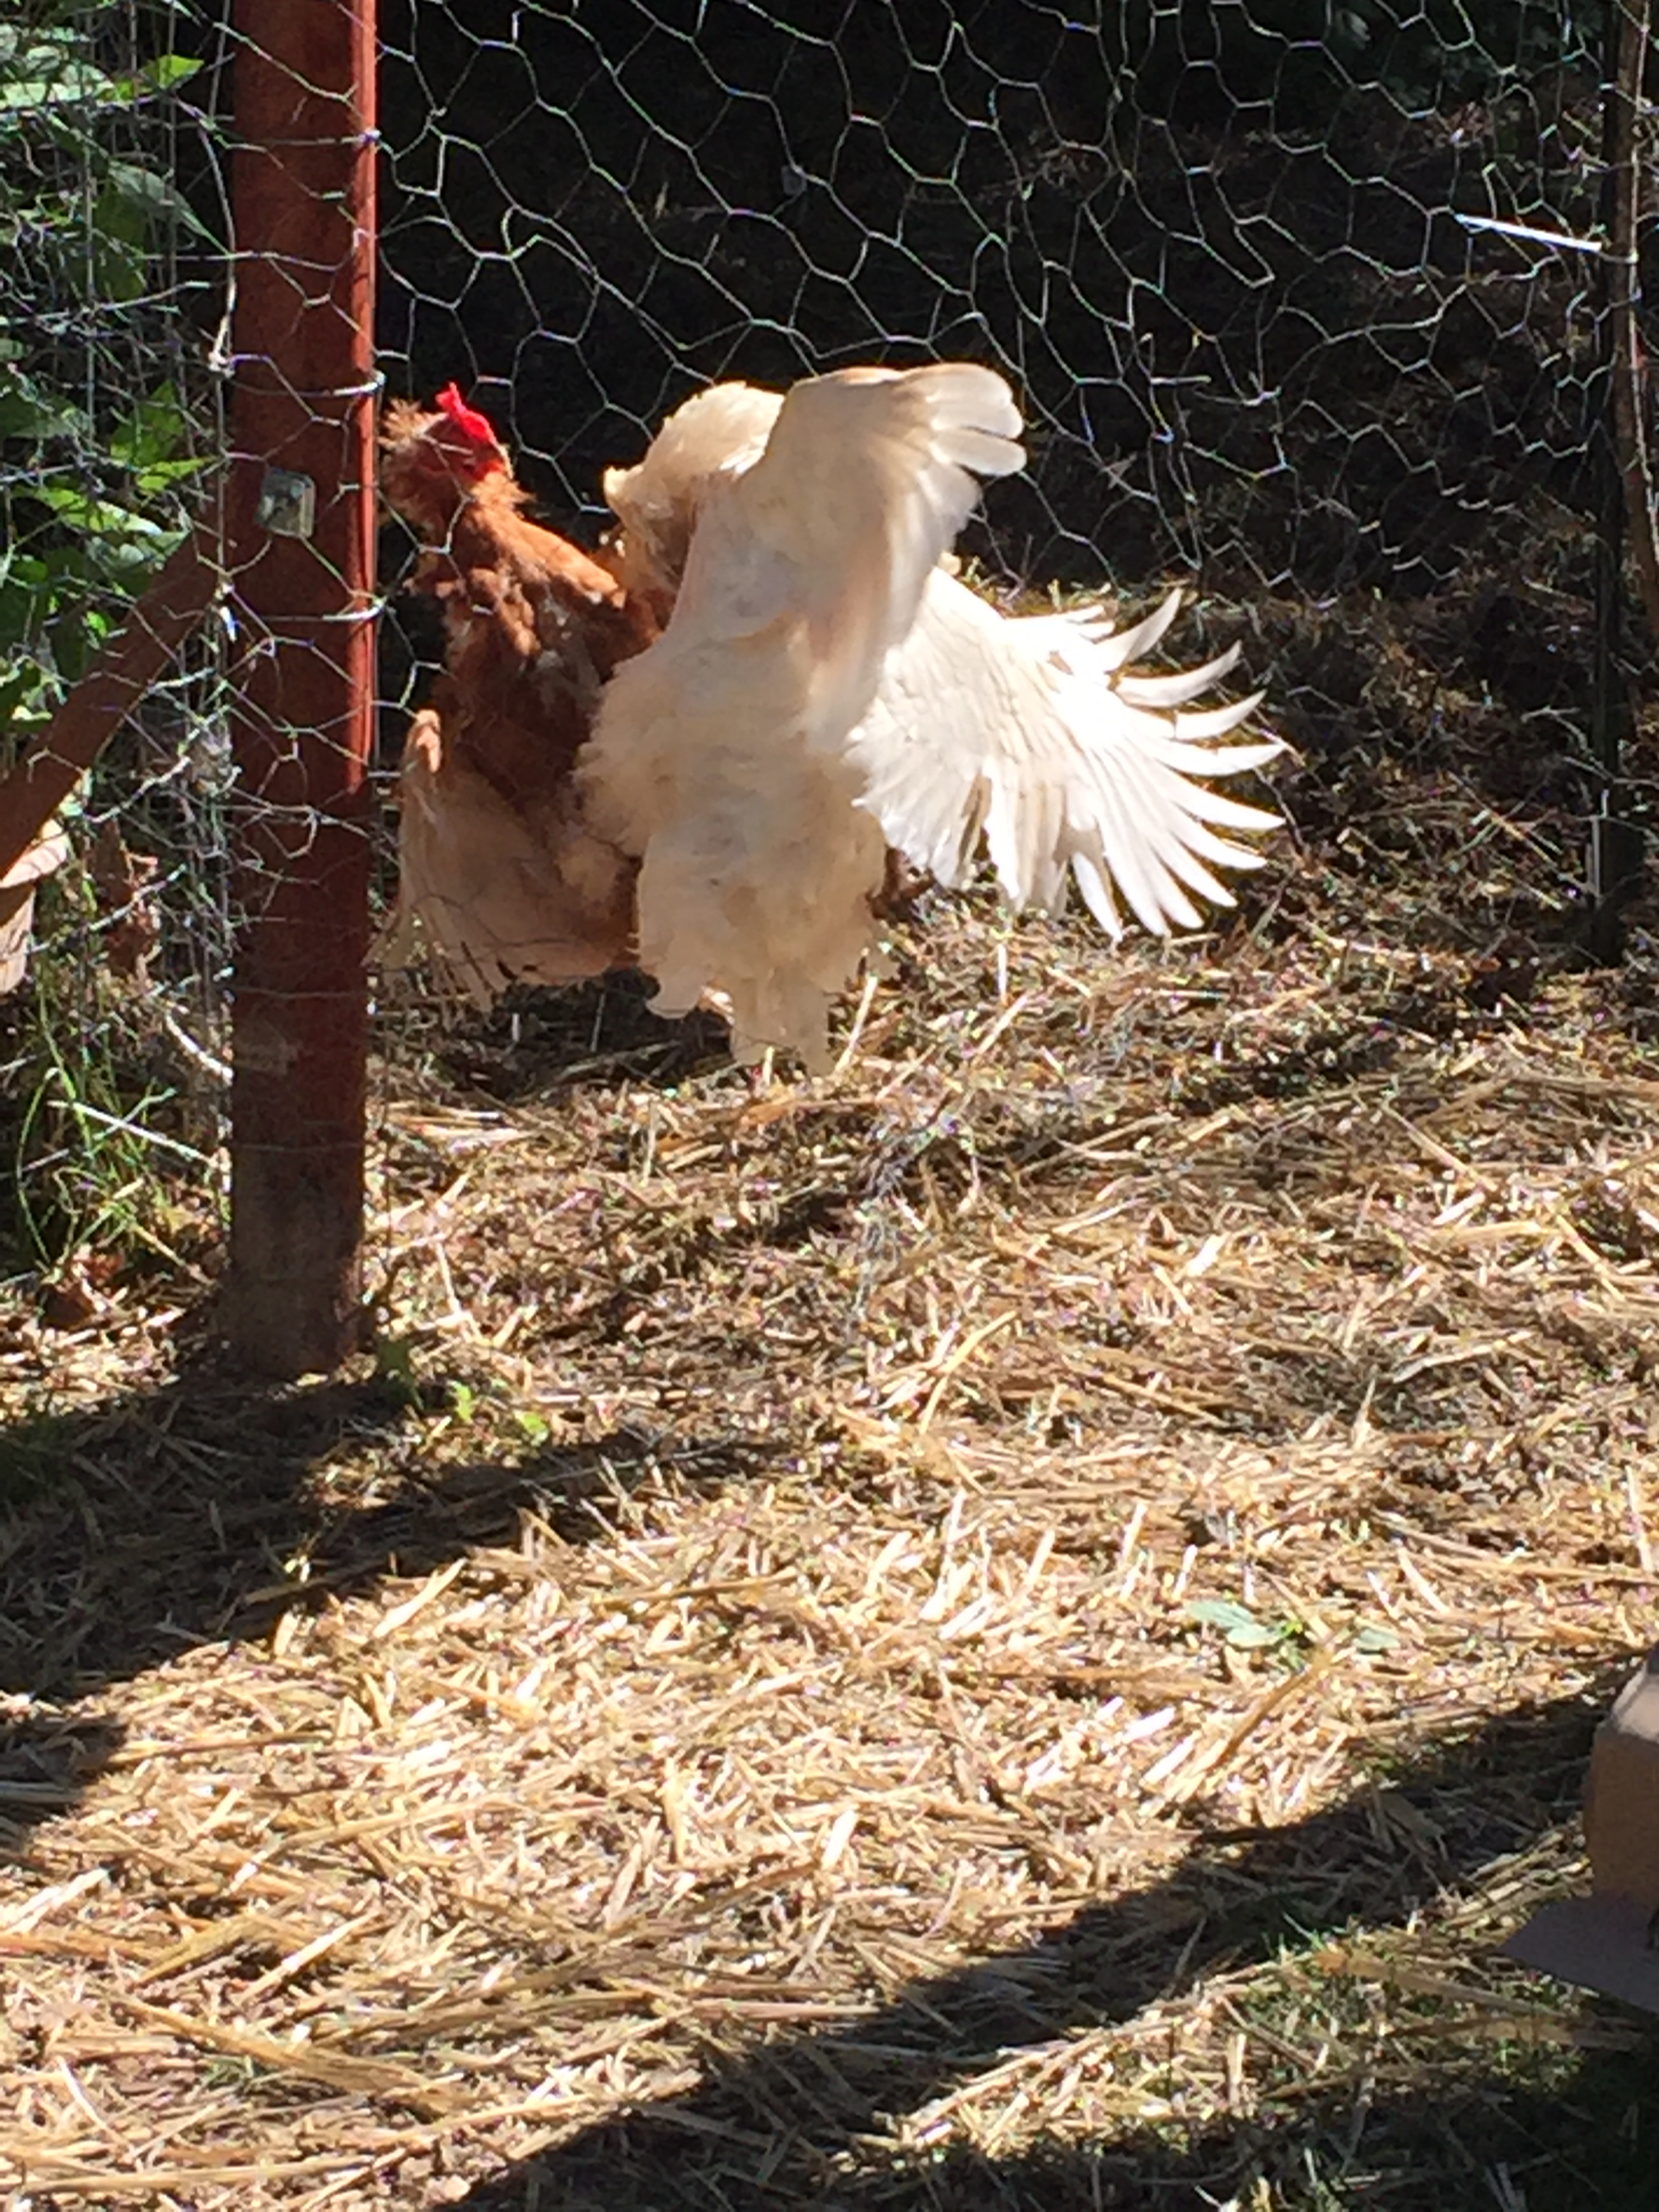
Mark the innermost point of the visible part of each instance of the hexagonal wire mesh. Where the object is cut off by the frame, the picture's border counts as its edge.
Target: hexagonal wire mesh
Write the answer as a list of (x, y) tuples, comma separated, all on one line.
[(1302, 301), (111, 280), (1275, 285)]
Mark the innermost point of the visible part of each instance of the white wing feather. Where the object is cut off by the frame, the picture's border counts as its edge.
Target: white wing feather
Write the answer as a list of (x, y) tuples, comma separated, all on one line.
[(1032, 732), (720, 754)]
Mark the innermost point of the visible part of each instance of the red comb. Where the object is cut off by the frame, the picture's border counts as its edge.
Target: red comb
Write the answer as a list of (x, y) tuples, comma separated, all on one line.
[(476, 428)]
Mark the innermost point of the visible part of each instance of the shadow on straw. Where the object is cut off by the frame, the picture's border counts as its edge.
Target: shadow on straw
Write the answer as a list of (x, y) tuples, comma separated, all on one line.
[(807, 2119), (189, 1515)]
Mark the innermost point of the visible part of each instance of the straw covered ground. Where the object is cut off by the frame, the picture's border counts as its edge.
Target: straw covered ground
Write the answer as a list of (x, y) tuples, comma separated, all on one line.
[(1011, 1627)]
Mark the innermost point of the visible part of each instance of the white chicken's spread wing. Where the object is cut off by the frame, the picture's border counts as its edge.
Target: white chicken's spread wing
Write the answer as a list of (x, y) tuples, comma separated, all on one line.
[(720, 754), (1036, 733), (866, 480)]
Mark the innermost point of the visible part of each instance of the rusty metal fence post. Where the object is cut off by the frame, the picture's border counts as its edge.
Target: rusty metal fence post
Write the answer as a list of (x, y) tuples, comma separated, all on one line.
[(301, 521)]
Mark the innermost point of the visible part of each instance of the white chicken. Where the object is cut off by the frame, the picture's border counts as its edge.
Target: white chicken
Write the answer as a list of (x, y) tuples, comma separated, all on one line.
[(825, 689)]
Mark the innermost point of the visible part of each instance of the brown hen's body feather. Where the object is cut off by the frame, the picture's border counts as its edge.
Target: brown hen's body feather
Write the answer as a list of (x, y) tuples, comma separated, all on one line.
[(499, 878)]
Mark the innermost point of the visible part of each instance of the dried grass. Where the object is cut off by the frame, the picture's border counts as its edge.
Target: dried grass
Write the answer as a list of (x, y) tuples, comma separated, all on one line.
[(718, 1716)]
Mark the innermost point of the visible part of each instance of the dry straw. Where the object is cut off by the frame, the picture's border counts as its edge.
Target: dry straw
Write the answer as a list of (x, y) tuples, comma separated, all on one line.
[(1009, 1627)]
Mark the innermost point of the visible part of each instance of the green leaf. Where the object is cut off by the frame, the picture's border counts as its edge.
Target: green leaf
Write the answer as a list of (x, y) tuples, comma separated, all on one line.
[(150, 433), (153, 432), (26, 411), (79, 509), (1374, 1638), (20, 695), (394, 1358), (394, 1365), (37, 78), (148, 441), (534, 1427), (168, 69), (150, 196), (1236, 1622), (120, 242), (160, 474)]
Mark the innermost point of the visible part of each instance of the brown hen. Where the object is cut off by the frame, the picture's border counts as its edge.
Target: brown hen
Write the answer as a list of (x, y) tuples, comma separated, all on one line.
[(499, 878)]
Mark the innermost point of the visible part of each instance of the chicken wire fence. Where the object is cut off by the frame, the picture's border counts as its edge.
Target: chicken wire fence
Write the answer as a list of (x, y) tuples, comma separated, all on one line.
[(110, 428), (1304, 302)]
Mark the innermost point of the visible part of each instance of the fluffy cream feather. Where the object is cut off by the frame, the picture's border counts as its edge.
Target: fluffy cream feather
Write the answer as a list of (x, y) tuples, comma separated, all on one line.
[(497, 892), (721, 432)]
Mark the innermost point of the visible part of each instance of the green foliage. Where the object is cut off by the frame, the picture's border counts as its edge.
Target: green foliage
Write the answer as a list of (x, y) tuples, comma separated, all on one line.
[(98, 452), (88, 506), (91, 1154)]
